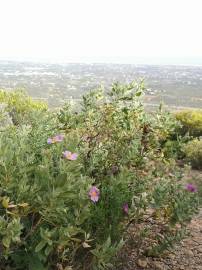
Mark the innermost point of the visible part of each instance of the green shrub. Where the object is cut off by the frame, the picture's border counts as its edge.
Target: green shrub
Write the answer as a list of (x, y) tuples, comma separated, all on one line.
[(191, 121), (193, 153), (60, 211), (20, 106)]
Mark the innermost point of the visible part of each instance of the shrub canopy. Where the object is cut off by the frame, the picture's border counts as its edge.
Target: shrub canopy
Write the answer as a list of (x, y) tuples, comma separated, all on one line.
[(71, 183), (191, 121)]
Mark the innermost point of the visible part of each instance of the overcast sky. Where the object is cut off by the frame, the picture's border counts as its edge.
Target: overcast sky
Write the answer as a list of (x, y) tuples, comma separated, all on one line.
[(100, 30)]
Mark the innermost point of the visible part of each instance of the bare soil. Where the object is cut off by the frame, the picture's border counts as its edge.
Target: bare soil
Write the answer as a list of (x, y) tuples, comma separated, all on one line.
[(187, 255)]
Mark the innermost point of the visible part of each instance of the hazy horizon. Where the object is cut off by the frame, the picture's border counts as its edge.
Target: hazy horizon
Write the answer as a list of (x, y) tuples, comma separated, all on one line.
[(111, 60)]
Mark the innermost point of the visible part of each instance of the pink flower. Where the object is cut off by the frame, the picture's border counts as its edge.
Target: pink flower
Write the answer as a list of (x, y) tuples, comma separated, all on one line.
[(191, 188), (69, 155), (125, 208), (57, 138), (94, 194), (49, 141)]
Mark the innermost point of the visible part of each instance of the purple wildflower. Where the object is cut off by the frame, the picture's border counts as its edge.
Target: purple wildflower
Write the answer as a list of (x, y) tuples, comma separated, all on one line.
[(58, 138), (125, 208), (49, 141), (94, 194), (55, 139), (69, 155), (191, 188)]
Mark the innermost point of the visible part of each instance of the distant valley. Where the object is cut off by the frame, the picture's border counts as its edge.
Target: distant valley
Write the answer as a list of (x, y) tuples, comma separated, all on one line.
[(176, 86)]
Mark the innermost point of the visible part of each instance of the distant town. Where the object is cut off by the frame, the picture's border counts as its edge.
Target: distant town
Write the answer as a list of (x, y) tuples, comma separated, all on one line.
[(175, 86)]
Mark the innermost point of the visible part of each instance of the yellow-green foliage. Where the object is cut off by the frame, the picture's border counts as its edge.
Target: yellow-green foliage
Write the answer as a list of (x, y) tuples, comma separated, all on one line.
[(48, 217), (20, 101), (191, 121), (193, 151)]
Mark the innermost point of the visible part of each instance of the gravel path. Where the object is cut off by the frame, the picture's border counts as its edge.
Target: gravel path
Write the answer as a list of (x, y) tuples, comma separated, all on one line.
[(186, 256)]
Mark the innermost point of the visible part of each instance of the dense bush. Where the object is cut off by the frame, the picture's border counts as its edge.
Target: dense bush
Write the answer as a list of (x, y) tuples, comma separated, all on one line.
[(193, 153), (20, 106), (71, 183), (191, 122)]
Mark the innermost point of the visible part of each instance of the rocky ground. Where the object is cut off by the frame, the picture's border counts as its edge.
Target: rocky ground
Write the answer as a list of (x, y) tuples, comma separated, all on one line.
[(187, 255)]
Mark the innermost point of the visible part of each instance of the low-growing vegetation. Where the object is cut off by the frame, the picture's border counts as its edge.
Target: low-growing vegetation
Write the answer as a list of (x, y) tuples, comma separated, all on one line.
[(193, 153), (189, 147), (73, 181), (191, 122)]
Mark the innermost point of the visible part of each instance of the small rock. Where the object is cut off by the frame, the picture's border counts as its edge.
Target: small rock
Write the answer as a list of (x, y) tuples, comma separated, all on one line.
[(188, 242), (197, 240), (142, 262), (158, 266), (171, 256), (199, 249), (188, 252)]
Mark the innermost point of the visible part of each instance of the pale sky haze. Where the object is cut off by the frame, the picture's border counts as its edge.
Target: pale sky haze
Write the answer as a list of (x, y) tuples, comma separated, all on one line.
[(97, 30)]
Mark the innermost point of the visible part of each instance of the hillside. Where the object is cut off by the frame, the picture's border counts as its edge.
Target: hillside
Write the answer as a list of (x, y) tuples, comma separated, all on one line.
[(176, 86)]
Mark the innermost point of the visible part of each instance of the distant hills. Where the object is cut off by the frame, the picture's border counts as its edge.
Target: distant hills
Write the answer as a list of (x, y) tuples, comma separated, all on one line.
[(175, 85)]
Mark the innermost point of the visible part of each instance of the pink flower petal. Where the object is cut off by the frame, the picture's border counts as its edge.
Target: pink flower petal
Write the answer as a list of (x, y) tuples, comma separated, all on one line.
[(74, 156), (69, 155), (49, 141), (94, 194), (125, 208), (191, 188), (59, 138)]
